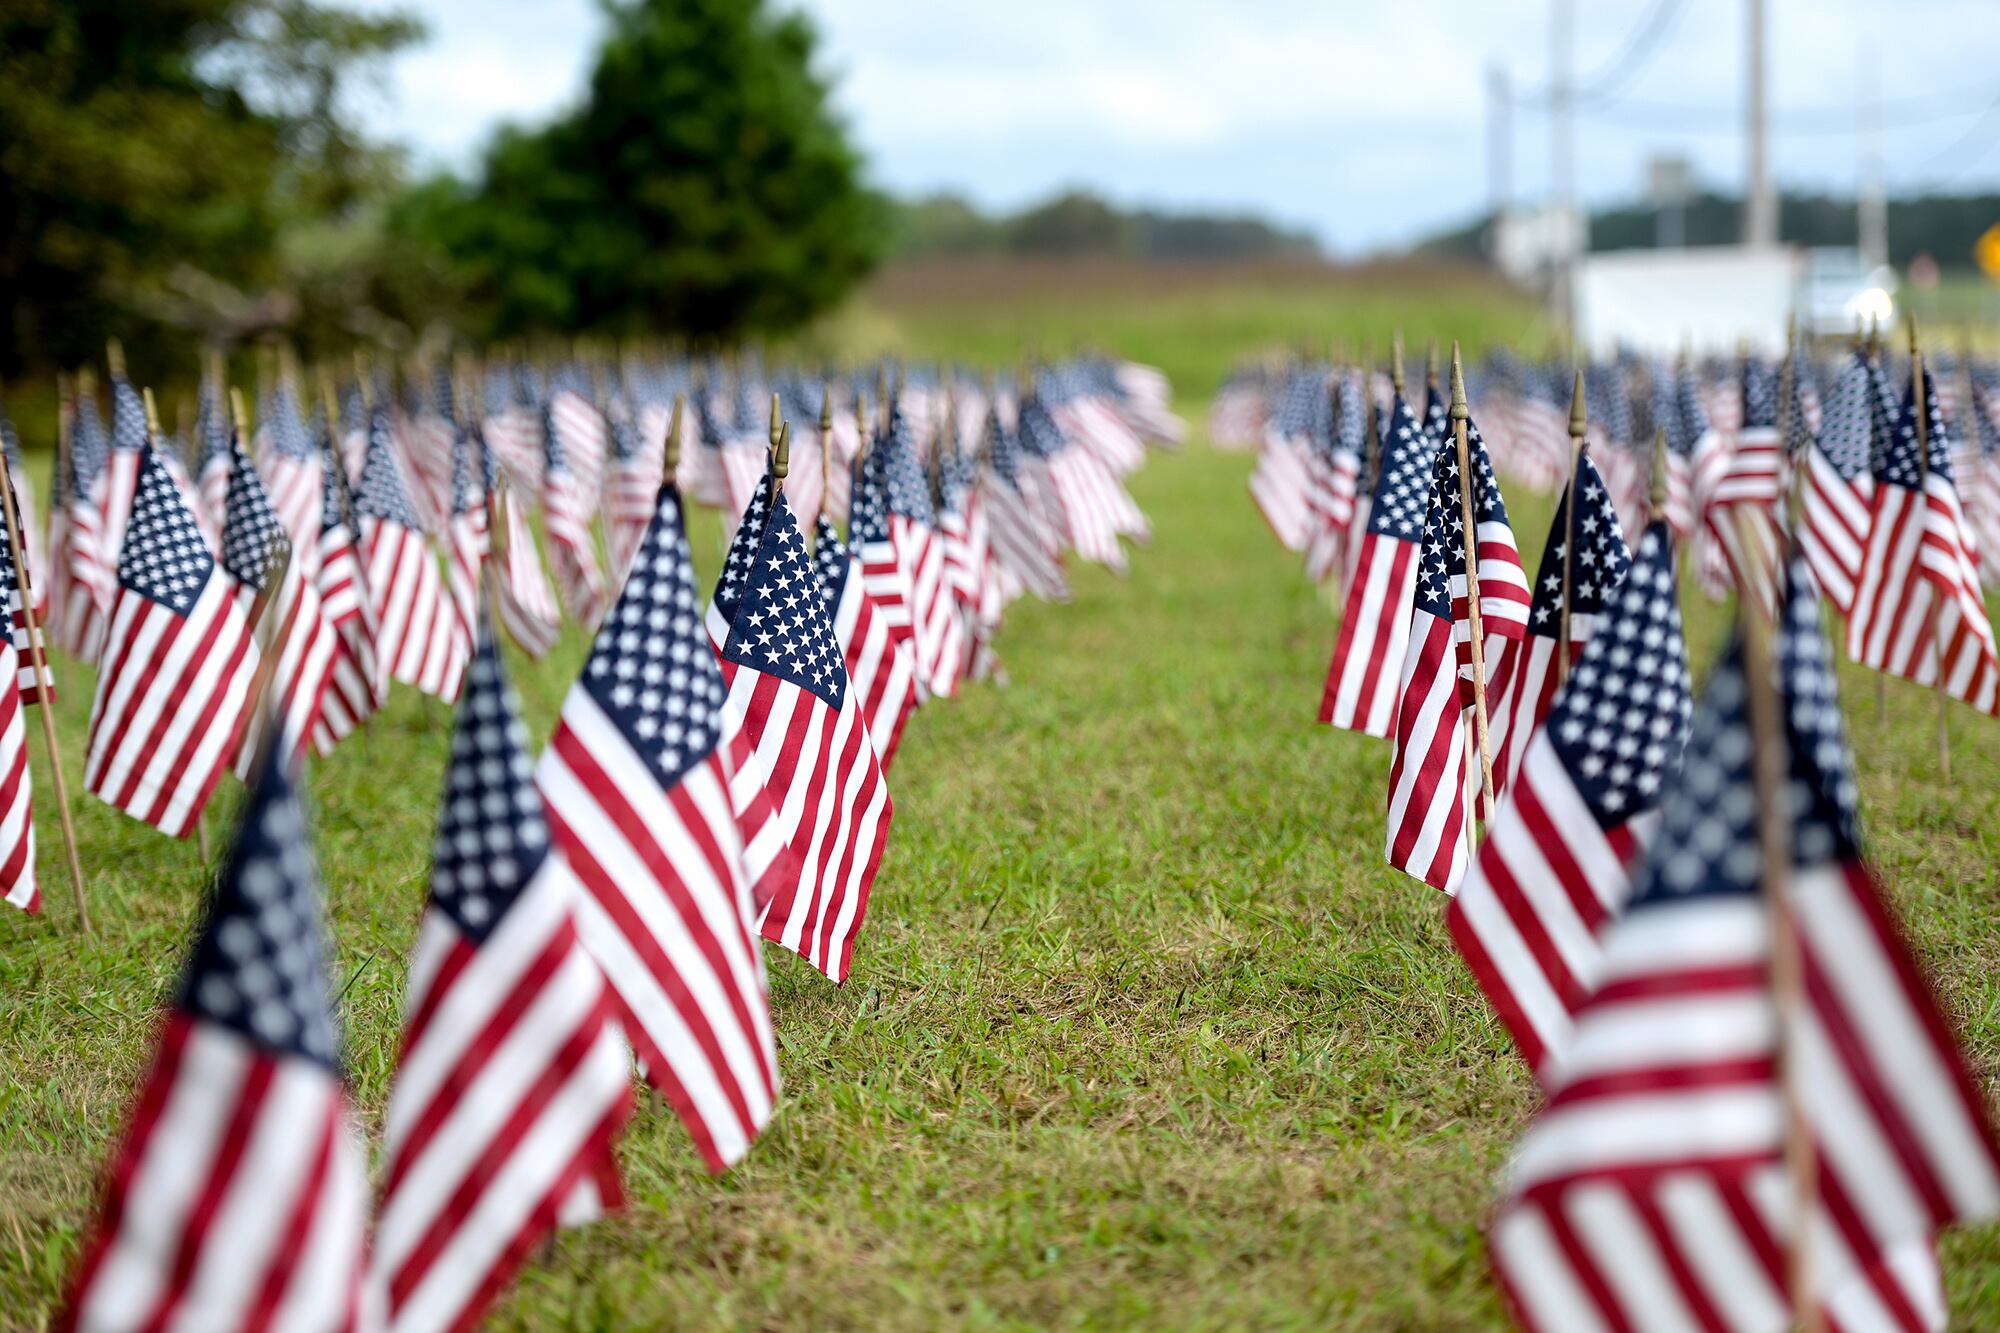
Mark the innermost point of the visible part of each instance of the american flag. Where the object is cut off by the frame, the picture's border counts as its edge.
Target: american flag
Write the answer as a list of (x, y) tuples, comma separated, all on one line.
[(1092, 503), (1677, 410), (1525, 670), (296, 470), (417, 643), (1429, 815), (740, 449), (85, 573), (1981, 489), (1740, 501), (881, 567), (119, 488), (1839, 489), (1362, 681), (638, 783), (212, 437), (1334, 464), (1282, 481), (178, 660), (879, 673), (355, 688), (17, 825), (514, 1078), (567, 510), (634, 482), (1557, 859), (239, 1195), (789, 691), (1026, 550), (1652, 1191), (512, 430), (1919, 605), (913, 529), (528, 606), (293, 618), (24, 657)]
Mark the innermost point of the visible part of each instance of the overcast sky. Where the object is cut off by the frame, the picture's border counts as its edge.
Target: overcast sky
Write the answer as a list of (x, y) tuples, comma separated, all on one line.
[(1364, 122)]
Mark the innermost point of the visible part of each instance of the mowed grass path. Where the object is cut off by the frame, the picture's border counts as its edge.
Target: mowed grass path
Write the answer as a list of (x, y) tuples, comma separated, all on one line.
[(1141, 1031)]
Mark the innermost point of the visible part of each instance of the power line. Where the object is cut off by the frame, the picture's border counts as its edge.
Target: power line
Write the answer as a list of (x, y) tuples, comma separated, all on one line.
[(1640, 45), (1899, 114)]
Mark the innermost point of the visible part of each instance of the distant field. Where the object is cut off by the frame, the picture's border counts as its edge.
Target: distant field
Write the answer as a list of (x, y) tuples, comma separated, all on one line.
[(1194, 321), (1141, 1030)]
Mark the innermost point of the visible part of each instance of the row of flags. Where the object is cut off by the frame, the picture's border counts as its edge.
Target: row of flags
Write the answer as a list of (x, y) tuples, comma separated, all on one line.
[(717, 778), (1755, 1113)]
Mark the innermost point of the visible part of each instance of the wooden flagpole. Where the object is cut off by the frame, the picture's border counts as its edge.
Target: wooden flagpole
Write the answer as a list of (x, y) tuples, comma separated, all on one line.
[(1656, 499), (1579, 423), (1460, 415), (1770, 764), (781, 457), (1921, 401), (825, 444), (1874, 355), (38, 659), (670, 456)]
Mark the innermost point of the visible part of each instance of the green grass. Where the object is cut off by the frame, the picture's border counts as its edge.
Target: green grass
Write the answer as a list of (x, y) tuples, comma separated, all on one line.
[(1141, 1031)]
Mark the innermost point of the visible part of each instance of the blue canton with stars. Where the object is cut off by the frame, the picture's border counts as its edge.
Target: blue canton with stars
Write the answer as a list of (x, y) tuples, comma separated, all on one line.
[(165, 558), (1350, 432), (1437, 417), (868, 518), (1622, 716), (1003, 450), (492, 831), (258, 966), (651, 669), (211, 423), (1442, 559), (128, 417), (743, 549), (1600, 561), (250, 527), (1848, 424), (1708, 842), (830, 560), (382, 493), (289, 436), (908, 490), (782, 628), (1760, 396), (1899, 465), (1687, 423), (89, 450), (1401, 497)]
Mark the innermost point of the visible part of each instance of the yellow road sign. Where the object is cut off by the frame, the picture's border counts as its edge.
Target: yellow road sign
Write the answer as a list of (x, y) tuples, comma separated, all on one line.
[(1987, 251)]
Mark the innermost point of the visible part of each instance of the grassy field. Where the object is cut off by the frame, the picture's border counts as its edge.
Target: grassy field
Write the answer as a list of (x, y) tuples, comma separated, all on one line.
[(1141, 1031)]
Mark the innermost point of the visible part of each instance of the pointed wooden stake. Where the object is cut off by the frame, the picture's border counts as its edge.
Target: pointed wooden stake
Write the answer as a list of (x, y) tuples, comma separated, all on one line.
[(38, 659), (1460, 414), (1770, 763), (825, 443), (781, 458), (1579, 425), (672, 457), (1923, 413)]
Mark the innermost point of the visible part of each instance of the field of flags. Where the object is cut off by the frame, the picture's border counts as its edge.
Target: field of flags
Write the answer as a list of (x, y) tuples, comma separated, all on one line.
[(1754, 1114), (718, 780)]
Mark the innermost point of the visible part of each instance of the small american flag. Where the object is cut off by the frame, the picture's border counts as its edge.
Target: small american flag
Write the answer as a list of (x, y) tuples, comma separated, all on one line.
[(468, 543), (1334, 464), (1740, 503), (1839, 489), (1524, 671), (638, 783), (788, 682), (119, 488), (1919, 607), (1095, 506), (879, 673), (212, 438), (1556, 862), (1361, 682), (567, 507), (17, 825), (1428, 769), (178, 660), (1652, 1191), (85, 572), (294, 618), (239, 1196), (1026, 551), (632, 485), (514, 1079), (295, 466), (417, 643), (881, 567), (355, 687), (1282, 482), (24, 657), (913, 528)]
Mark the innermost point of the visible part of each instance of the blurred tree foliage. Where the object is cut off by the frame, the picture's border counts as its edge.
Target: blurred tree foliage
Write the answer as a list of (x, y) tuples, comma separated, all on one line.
[(704, 187), (1078, 223), (156, 154)]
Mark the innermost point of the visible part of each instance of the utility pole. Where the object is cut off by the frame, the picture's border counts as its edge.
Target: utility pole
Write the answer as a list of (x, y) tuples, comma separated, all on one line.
[(1562, 161), (1872, 201), (1499, 150), (1760, 205)]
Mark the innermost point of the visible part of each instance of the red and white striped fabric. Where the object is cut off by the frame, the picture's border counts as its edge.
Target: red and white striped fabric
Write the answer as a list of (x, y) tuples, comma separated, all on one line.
[(527, 603), (1556, 862), (789, 693), (638, 783), (416, 641), (178, 660), (1364, 679), (1429, 772), (940, 638), (1838, 490), (1652, 1191), (1918, 612), (879, 673), (584, 437), (1279, 485), (1095, 424), (1739, 495), (355, 689), (423, 449), (24, 657), (295, 469), (567, 510), (1333, 477), (882, 571), (632, 490), (514, 1079), (466, 551), (1523, 671), (118, 488), (83, 580), (238, 1197), (293, 620), (17, 825), (514, 436)]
